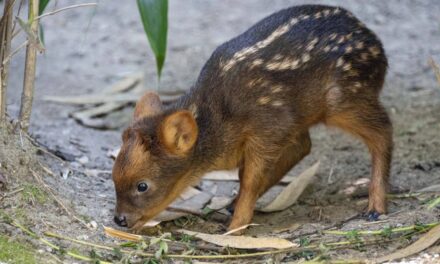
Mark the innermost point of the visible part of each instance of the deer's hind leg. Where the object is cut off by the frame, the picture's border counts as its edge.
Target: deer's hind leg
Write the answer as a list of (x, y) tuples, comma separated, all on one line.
[(367, 119)]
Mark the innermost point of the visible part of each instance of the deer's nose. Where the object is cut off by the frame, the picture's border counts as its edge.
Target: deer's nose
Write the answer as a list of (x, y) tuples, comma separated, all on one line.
[(120, 220)]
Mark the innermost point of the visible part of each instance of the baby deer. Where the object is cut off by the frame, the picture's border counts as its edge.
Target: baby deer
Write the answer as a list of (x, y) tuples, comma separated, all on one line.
[(252, 107)]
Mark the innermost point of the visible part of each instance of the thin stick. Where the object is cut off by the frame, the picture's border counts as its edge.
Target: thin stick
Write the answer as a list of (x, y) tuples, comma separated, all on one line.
[(379, 232), (29, 72), (435, 68), (8, 58), (62, 9), (5, 50), (434, 203), (49, 190), (334, 245)]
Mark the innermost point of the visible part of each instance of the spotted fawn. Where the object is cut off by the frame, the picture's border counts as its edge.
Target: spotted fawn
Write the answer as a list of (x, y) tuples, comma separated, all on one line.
[(251, 108)]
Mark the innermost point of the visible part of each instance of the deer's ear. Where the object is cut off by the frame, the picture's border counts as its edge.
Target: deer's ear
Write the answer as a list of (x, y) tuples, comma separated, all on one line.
[(178, 132), (148, 105)]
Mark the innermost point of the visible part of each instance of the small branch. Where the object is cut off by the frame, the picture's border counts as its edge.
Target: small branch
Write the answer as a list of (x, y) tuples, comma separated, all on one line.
[(63, 9), (22, 45), (436, 69), (29, 72), (379, 232), (5, 47), (434, 203)]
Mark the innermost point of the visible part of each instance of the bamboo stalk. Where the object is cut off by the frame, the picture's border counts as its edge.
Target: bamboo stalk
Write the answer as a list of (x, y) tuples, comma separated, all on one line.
[(5, 47), (30, 67)]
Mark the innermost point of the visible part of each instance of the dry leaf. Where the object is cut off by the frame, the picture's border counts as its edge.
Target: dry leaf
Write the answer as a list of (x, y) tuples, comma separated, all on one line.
[(238, 229), (189, 193), (423, 243), (220, 202), (121, 234), (232, 175), (242, 242), (291, 192)]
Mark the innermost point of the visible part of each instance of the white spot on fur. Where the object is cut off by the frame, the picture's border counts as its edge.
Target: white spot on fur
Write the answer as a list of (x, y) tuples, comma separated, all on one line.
[(341, 39), (364, 56), (255, 82), (263, 100), (346, 67), (256, 63), (339, 62), (277, 103), (348, 49), (335, 48), (359, 45), (375, 51), (326, 12), (305, 57), (244, 53), (327, 48), (277, 88), (193, 109), (277, 57), (318, 15), (336, 11), (333, 36), (312, 44)]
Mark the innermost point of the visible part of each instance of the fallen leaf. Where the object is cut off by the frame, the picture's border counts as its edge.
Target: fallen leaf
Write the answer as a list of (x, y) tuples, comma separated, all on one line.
[(423, 243), (238, 229), (290, 194), (243, 242), (121, 234), (189, 193), (220, 202), (232, 175)]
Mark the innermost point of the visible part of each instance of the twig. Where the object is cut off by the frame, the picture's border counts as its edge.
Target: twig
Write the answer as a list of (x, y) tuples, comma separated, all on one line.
[(38, 178), (333, 245), (5, 48), (14, 192), (62, 9), (435, 68), (29, 72), (379, 232), (403, 195), (22, 45), (434, 203)]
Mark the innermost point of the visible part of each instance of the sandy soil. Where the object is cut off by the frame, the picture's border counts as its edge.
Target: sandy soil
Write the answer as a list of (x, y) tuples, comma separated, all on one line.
[(87, 50)]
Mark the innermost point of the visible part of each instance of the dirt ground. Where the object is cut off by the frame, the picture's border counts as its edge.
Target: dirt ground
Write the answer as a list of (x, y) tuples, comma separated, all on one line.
[(89, 49)]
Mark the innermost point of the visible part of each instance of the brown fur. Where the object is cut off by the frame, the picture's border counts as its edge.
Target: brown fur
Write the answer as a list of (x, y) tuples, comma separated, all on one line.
[(252, 107)]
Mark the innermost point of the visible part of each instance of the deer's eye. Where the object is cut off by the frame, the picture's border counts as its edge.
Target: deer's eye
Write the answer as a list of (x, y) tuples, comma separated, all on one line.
[(142, 187)]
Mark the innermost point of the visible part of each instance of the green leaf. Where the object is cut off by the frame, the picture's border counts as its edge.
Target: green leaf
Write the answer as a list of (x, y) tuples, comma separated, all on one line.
[(41, 34), (154, 15), (42, 6)]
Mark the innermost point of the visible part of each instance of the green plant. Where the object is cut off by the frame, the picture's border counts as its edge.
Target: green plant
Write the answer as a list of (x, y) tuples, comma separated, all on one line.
[(14, 252), (32, 193), (154, 16)]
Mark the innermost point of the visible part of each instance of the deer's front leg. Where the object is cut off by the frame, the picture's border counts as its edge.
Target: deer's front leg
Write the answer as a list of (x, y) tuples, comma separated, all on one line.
[(252, 184)]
